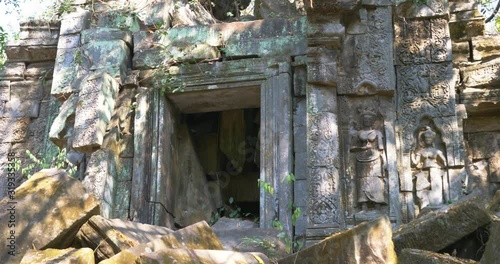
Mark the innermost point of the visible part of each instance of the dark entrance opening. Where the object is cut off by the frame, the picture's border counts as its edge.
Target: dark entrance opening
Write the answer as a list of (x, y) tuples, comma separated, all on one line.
[(227, 144)]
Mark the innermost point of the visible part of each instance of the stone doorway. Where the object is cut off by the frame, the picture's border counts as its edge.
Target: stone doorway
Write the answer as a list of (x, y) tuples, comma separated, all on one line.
[(166, 141), (228, 148)]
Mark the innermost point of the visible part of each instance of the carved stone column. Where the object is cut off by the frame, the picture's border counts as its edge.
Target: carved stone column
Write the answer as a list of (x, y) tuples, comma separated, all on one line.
[(325, 34), (425, 95)]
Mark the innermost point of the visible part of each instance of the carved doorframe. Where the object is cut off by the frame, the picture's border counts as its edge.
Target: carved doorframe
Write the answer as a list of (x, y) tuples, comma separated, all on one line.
[(274, 76)]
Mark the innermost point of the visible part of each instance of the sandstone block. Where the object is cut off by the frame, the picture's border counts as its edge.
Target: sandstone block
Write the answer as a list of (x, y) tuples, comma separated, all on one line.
[(112, 56), (108, 237), (4, 90), (27, 90), (75, 22), (485, 46), (69, 41), (71, 65), (102, 34), (417, 256), (93, 111), (49, 256), (482, 75), (202, 256), (50, 207), (39, 70), (63, 122), (100, 179), (13, 71), (263, 240), (16, 108), (31, 51), (152, 12), (451, 223), (196, 236), (492, 251), (14, 129), (369, 242)]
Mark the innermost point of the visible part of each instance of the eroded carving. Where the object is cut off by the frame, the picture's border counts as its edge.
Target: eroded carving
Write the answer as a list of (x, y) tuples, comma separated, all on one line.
[(370, 161), (429, 163)]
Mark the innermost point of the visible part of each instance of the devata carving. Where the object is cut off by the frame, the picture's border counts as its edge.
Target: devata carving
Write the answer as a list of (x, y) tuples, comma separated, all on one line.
[(370, 162), (429, 162)]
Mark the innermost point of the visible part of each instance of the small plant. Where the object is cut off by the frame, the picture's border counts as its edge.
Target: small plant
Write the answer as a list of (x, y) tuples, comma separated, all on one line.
[(266, 186), (36, 164)]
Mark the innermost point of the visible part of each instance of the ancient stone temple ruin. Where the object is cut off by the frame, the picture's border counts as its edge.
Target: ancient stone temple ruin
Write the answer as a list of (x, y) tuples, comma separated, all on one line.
[(346, 110)]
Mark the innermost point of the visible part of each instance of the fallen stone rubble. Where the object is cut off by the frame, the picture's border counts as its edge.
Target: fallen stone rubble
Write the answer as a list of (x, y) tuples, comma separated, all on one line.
[(58, 222)]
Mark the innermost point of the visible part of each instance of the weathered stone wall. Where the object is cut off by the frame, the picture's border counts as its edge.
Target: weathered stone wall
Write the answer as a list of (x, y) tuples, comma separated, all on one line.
[(25, 103), (371, 117)]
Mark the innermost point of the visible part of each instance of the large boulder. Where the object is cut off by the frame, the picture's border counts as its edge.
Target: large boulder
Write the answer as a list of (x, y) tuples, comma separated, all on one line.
[(492, 251), (51, 256), (369, 242), (108, 237), (441, 228), (46, 211), (417, 256), (196, 236)]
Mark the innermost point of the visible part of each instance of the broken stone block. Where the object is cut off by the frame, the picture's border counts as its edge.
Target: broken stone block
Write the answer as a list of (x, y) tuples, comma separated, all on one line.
[(93, 111), (264, 240), (451, 223), (494, 165), (483, 145), (51, 255), (64, 121), (120, 19), (112, 56), (71, 65), (482, 75), (48, 210), (492, 251), (108, 237), (123, 113), (14, 129), (485, 46), (369, 242), (153, 12), (196, 236), (417, 256), (100, 179), (202, 256), (494, 205), (191, 14), (226, 223)]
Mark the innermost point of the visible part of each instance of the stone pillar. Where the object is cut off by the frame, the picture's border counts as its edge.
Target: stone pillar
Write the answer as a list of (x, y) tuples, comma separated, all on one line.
[(425, 98), (365, 89), (325, 33)]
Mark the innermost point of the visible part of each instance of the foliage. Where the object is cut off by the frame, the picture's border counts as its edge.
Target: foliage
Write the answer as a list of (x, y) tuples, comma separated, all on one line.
[(59, 8), (231, 210), (3, 41), (489, 9), (266, 186), (36, 164)]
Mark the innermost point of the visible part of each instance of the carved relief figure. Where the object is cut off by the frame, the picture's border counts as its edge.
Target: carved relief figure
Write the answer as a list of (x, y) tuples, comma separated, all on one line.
[(370, 162), (429, 162)]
